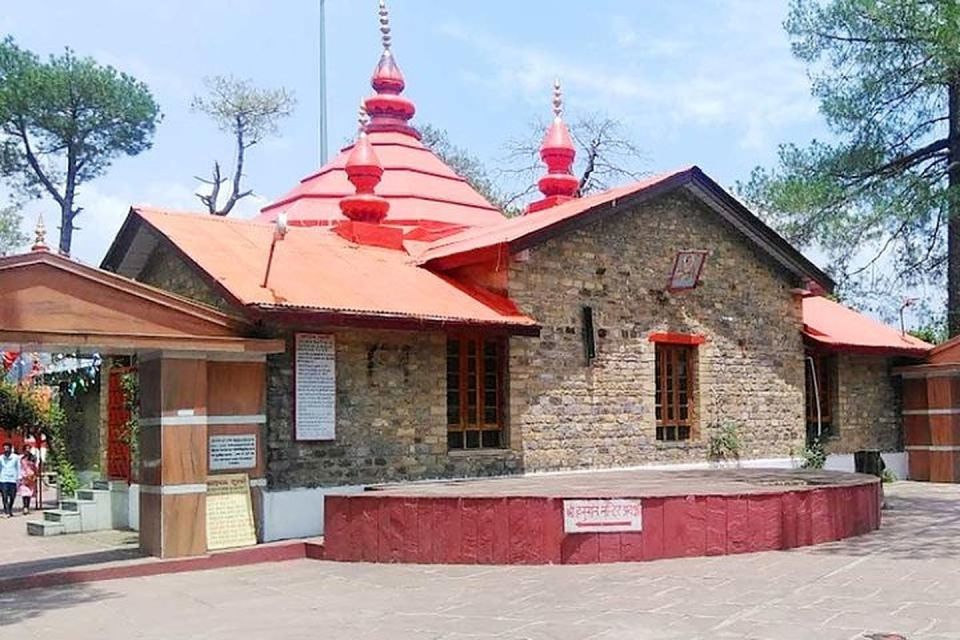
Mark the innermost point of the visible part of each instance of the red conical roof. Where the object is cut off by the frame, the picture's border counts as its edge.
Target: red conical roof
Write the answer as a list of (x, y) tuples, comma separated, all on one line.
[(557, 152), (419, 186), (364, 171)]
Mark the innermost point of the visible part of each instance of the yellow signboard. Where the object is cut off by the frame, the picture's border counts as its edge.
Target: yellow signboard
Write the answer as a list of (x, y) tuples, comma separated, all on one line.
[(229, 512)]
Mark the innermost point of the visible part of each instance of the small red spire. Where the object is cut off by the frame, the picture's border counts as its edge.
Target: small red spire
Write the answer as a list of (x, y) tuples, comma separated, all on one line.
[(364, 172), (389, 111), (557, 152)]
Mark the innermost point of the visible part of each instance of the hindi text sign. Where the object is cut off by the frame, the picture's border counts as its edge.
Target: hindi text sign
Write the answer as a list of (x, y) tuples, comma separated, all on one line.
[(602, 516), (315, 397), (229, 512), (233, 452)]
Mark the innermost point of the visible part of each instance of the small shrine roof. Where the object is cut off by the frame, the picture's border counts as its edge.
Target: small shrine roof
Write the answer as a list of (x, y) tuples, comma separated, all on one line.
[(832, 325)]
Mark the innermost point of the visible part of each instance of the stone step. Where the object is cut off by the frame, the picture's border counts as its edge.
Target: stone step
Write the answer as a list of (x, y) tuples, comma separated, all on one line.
[(75, 505), (44, 528), (93, 516), (100, 496), (69, 519), (110, 485)]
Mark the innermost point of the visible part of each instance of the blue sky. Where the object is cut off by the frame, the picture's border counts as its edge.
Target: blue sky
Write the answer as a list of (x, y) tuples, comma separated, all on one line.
[(706, 82)]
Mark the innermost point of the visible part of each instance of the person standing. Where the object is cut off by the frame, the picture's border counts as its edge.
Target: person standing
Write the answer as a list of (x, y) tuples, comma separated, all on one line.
[(28, 478), (9, 477)]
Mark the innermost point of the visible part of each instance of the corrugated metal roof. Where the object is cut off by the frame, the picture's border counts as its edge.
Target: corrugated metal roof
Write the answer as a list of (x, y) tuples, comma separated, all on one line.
[(833, 325), (317, 270)]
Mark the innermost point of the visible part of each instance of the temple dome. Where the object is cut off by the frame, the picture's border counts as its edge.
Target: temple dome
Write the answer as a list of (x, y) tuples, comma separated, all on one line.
[(420, 188)]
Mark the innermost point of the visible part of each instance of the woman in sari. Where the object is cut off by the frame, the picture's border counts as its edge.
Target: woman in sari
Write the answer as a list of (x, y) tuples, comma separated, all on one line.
[(28, 479)]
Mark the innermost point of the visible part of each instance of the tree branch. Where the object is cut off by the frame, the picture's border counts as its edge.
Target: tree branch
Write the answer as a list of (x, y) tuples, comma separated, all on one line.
[(35, 165)]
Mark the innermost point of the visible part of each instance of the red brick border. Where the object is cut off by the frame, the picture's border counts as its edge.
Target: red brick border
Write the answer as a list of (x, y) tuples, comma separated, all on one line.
[(470, 530), (270, 552)]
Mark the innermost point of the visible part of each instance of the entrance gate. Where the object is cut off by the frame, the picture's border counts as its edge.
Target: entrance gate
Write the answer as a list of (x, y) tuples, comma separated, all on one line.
[(200, 377)]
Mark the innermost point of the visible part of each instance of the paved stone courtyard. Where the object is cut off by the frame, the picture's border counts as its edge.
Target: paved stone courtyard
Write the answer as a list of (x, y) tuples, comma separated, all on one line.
[(904, 579)]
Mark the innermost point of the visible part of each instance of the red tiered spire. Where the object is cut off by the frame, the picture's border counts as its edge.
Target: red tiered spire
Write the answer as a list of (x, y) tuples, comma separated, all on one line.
[(557, 152), (388, 110), (364, 172)]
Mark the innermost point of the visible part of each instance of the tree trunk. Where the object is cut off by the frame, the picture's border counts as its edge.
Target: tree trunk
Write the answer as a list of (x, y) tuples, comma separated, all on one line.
[(953, 211), (67, 214), (66, 226)]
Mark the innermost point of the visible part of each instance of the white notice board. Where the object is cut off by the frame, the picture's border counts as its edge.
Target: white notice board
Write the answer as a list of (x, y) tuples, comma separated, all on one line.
[(233, 452), (315, 387), (602, 516)]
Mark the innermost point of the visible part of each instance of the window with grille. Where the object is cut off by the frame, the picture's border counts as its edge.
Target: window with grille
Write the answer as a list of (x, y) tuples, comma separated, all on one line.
[(475, 397), (820, 380), (674, 383)]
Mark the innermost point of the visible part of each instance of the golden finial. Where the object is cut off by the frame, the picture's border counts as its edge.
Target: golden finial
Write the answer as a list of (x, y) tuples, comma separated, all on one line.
[(362, 118), (40, 235), (557, 99), (384, 25)]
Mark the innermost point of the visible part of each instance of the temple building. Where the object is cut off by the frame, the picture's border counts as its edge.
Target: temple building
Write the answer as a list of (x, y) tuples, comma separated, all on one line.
[(429, 336)]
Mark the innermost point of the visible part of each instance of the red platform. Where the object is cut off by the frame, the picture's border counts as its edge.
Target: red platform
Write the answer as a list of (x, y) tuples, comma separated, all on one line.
[(521, 521)]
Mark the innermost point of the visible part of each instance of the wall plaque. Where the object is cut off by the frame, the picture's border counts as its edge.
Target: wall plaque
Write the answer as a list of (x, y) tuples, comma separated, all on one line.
[(602, 516), (233, 452), (687, 269), (315, 394), (229, 512)]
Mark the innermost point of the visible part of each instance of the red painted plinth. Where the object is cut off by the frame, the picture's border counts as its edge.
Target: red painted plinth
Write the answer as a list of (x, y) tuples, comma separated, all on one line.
[(374, 527)]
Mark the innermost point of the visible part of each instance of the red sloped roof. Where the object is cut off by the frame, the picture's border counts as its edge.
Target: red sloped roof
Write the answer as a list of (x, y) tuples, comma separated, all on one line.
[(473, 245), (315, 270), (835, 326), (419, 186), (514, 229)]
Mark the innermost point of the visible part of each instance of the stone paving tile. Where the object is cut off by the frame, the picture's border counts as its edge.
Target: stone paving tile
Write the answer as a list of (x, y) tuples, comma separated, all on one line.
[(893, 580)]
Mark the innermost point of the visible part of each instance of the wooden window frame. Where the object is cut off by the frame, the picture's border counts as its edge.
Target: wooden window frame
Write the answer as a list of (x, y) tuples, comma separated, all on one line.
[(479, 424), (667, 354)]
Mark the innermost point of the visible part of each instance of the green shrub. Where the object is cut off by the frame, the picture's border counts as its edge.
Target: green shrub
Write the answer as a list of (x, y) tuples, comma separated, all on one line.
[(724, 442), (814, 456)]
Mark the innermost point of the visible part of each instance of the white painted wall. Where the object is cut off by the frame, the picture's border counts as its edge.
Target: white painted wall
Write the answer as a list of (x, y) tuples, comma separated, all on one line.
[(895, 461), (125, 505), (296, 513)]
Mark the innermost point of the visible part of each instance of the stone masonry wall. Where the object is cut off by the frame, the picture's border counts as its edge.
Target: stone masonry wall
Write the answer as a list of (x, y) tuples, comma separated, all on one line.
[(391, 417), (867, 405), (566, 414), (166, 270)]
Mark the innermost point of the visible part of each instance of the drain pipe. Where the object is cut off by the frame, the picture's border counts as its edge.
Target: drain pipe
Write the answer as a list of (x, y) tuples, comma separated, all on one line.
[(816, 396)]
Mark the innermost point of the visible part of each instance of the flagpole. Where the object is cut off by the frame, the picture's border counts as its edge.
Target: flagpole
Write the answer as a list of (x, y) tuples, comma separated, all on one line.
[(323, 84)]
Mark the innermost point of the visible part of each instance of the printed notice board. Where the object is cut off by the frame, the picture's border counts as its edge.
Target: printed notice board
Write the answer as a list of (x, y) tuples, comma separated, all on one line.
[(229, 512), (602, 516), (233, 452), (315, 394)]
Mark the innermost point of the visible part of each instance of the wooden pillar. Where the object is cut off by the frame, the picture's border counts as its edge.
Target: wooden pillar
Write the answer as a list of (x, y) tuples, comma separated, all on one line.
[(236, 407), (931, 424), (173, 455)]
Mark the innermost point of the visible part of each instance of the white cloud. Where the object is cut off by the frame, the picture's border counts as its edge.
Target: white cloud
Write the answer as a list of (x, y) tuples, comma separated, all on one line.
[(752, 85)]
